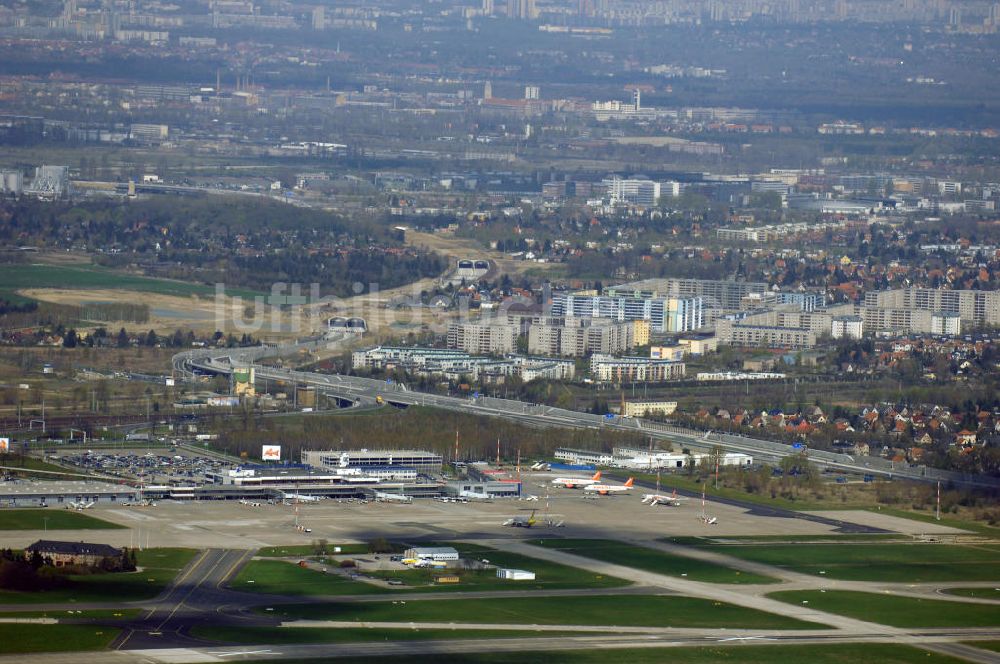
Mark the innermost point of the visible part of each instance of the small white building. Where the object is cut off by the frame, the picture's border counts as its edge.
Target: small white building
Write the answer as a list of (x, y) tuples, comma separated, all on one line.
[(576, 456), (515, 575), (636, 459), (436, 553)]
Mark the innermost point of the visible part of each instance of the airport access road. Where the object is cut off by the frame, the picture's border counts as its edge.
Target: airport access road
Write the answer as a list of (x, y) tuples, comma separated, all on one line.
[(365, 390)]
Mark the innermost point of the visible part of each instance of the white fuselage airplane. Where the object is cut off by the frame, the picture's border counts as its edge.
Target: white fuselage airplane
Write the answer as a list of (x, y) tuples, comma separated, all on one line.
[(577, 482), (393, 498), (659, 499), (605, 489), (298, 497)]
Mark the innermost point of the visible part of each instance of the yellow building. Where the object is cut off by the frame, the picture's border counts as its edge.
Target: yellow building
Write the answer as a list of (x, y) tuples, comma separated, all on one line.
[(643, 408), (640, 332)]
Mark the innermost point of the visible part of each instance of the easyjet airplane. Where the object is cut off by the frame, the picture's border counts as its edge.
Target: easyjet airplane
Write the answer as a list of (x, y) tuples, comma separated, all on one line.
[(605, 489), (577, 482)]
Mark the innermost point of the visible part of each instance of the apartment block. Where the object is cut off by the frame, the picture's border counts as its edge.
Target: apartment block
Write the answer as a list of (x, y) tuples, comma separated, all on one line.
[(605, 368), (663, 314), (974, 307), (576, 337), (722, 294), (485, 338)]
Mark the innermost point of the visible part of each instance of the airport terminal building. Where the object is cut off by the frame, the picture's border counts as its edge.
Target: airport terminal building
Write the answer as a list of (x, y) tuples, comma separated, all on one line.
[(421, 461)]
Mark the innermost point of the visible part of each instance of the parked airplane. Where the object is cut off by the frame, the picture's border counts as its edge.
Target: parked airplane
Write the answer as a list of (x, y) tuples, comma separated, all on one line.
[(605, 489), (541, 465), (392, 497), (298, 497), (575, 482), (521, 521), (659, 499), (80, 505)]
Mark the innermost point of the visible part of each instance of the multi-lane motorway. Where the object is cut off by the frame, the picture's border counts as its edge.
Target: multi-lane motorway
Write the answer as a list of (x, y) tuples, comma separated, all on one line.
[(364, 391)]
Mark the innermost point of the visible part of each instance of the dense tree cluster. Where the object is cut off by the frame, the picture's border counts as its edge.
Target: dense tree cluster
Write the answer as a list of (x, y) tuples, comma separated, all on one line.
[(247, 244)]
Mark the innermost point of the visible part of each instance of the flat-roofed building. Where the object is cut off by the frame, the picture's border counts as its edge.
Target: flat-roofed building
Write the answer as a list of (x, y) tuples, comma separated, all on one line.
[(420, 460), (975, 307), (670, 314), (486, 338), (644, 408), (723, 294), (578, 456), (576, 337), (605, 368), (437, 553)]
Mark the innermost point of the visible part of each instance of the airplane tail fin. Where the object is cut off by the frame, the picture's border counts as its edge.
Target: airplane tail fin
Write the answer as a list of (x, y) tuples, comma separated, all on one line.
[(597, 476), (628, 484)]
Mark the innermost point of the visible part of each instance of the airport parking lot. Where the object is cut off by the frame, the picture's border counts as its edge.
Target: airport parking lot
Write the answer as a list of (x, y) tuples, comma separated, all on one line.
[(157, 466)]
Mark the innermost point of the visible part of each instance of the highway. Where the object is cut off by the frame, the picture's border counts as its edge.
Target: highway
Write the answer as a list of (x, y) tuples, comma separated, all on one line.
[(363, 391)]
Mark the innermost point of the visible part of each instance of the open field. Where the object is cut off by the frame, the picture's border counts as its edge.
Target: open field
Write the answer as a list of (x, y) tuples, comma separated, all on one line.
[(25, 638), (896, 562), (157, 567), (824, 654), (280, 577), (978, 593), (27, 463), (653, 561), (548, 575), (274, 635), (894, 610), (37, 275), (71, 614), (986, 645), (304, 550), (268, 576), (773, 539), (51, 519), (636, 610)]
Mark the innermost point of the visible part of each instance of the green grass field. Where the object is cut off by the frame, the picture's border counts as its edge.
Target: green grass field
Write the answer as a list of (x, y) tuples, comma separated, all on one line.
[(71, 614), (295, 635), (985, 645), (777, 539), (638, 610), (895, 610), (825, 654), (31, 463), (890, 563), (158, 568), (308, 550), (548, 575), (17, 276), (51, 519), (928, 517), (281, 577), (979, 593), (284, 578), (21, 638), (652, 560)]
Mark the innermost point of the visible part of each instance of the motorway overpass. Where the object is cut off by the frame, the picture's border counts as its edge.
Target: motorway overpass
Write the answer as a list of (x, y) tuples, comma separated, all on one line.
[(365, 390)]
